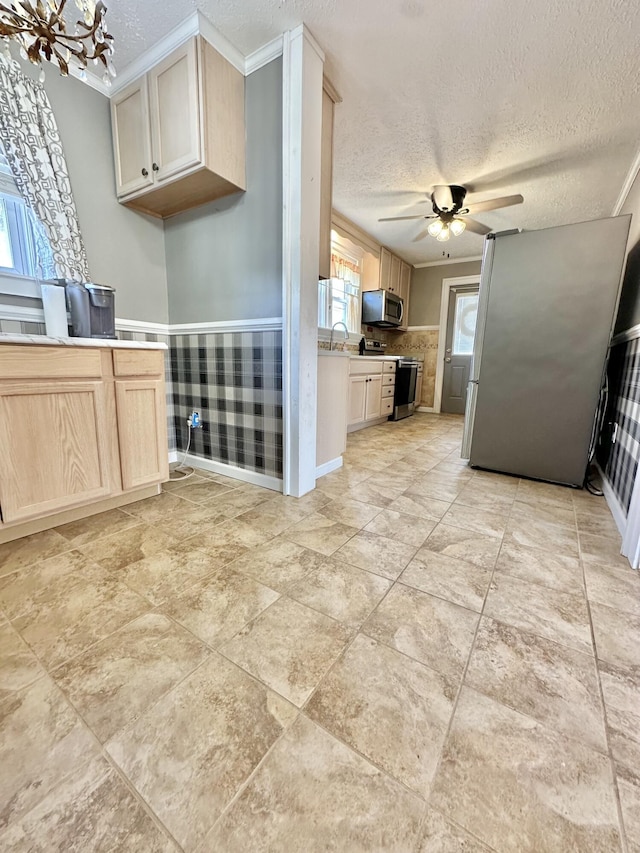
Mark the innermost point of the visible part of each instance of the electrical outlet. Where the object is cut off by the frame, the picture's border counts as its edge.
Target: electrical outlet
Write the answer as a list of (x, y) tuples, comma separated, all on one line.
[(194, 420)]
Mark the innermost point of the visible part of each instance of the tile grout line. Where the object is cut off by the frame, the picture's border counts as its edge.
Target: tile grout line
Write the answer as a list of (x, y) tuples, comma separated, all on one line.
[(462, 685), (603, 707), (83, 764)]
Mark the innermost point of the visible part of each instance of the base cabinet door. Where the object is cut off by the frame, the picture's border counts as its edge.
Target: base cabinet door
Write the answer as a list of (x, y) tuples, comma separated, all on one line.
[(357, 398), (373, 405), (53, 448), (142, 432)]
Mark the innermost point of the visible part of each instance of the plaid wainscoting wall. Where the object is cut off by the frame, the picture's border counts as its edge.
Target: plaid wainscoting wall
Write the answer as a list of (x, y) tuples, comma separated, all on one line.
[(234, 379), (21, 327), (621, 464)]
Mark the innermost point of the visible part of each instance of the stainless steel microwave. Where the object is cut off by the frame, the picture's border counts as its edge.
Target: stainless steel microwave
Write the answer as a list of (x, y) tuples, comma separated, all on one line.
[(382, 309)]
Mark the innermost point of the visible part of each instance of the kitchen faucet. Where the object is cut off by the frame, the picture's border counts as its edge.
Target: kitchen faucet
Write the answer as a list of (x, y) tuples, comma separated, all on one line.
[(346, 333)]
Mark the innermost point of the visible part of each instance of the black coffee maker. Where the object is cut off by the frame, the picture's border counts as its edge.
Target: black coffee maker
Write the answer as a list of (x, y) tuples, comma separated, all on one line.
[(91, 309)]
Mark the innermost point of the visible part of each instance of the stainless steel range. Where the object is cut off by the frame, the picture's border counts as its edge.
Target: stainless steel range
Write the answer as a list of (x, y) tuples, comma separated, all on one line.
[(404, 395), (406, 377)]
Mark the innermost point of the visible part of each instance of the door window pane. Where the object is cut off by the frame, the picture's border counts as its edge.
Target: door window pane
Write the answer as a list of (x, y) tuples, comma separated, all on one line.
[(464, 324)]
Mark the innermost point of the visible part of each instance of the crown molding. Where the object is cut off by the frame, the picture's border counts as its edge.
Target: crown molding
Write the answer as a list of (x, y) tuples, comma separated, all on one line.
[(263, 56), (628, 183), (340, 221), (221, 43), (447, 262), (303, 31), (331, 90), (196, 24), (90, 79), (155, 54)]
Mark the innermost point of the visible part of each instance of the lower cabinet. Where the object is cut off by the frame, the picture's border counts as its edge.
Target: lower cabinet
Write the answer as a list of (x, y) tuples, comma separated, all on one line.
[(77, 425), (373, 401), (53, 439), (142, 432), (365, 402), (371, 384), (357, 398)]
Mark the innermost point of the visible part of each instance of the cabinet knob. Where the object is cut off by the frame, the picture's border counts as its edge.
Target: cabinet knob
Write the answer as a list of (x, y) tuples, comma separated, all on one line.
[(155, 167), (144, 173)]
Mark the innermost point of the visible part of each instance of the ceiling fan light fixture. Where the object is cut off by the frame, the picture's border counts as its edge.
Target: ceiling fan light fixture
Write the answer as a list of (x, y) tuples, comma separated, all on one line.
[(435, 227), (457, 227), (443, 236)]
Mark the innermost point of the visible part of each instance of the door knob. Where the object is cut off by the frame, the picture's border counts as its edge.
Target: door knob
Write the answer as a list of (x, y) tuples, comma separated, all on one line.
[(144, 173), (155, 167), (448, 359)]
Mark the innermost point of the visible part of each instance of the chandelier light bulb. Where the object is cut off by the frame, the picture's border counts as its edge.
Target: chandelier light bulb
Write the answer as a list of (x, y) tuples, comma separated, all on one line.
[(435, 227), (443, 236), (40, 31), (457, 227)]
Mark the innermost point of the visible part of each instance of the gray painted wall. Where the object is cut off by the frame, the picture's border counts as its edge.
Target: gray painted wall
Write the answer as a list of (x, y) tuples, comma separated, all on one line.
[(426, 290), (125, 249), (224, 260), (629, 310)]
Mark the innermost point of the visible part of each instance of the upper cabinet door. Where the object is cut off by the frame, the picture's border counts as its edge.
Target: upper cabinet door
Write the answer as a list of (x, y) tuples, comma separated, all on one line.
[(132, 138), (385, 268), (175, 114), (394, 280)]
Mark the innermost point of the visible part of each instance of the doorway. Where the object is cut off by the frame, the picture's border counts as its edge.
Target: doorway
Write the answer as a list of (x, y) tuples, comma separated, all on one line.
[(458, 314)]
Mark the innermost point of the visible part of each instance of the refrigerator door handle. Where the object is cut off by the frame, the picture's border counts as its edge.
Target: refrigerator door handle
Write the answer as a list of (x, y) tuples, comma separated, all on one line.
[(469, 417)]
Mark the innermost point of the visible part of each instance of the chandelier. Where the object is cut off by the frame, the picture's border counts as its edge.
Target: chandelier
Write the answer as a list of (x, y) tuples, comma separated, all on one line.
[(40, 28)]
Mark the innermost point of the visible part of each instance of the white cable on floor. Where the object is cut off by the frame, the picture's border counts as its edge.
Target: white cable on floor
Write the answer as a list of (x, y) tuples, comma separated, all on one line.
[(181, 467)]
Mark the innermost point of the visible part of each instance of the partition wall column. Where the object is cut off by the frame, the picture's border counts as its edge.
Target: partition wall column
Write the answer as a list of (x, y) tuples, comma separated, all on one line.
[(303, 62)]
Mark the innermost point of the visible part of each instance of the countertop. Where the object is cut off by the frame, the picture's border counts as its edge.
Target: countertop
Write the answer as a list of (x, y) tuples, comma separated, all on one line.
[(341, 354), (45, 340)]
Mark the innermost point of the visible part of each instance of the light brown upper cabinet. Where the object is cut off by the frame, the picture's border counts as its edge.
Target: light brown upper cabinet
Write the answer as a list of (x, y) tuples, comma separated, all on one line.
[(179, 132), (132, 138), (395, 276)]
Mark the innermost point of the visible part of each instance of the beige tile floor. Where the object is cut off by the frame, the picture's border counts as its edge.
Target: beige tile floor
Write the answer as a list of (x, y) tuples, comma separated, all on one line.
[(414, 657)]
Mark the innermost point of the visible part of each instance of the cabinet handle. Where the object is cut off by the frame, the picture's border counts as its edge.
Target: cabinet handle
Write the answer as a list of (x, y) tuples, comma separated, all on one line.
[(155, 167), (144, 173)]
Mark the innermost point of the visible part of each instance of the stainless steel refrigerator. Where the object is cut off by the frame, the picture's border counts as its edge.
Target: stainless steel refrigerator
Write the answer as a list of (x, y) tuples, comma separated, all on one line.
[(546, 310)]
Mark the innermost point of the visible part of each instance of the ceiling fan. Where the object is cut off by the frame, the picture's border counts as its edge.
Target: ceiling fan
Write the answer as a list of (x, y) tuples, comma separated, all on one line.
[(447, 202)]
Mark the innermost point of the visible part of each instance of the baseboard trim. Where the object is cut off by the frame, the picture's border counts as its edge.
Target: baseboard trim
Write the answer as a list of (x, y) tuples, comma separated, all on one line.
[(365, 424), (328, 467), (614, 504), (243, 474), (36, 525), (426, 409)]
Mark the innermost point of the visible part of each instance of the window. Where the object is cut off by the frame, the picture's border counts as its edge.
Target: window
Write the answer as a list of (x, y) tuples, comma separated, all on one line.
[(24, 248), (339, 296), (464, 323)]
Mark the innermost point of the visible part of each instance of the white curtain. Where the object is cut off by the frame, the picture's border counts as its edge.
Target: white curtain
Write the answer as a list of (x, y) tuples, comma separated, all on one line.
[(32, 145)]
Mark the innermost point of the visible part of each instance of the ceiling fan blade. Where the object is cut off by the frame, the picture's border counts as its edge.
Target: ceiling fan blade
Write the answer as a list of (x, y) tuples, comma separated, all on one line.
[(421, 235), (476, 227), (494, 203), (398, 218)]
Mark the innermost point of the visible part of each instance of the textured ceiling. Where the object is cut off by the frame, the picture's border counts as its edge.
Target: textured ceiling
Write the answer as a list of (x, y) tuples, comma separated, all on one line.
[(541, 98)]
